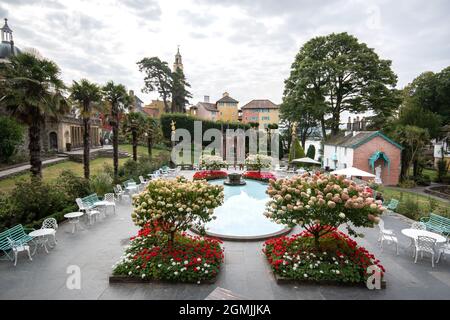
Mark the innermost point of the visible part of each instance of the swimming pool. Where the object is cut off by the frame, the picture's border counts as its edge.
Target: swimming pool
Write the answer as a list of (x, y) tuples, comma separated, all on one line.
[(242, 214)]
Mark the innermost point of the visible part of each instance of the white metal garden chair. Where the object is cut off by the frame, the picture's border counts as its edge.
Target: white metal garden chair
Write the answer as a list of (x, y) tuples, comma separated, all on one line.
[(143, 181), (16, 248), (443, 250), (419, 226), (110, 198), (386, 235), (51, 223), (425, 244), (120, 193), (91, 214)]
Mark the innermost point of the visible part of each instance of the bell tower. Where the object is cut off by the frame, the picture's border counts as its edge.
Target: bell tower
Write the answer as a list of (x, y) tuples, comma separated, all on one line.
[(7, 36), (178, 64)]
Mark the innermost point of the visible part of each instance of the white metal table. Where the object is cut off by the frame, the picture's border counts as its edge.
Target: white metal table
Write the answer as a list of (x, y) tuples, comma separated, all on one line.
[(103, 204), (74, 219), (41, 238), (414, 234)]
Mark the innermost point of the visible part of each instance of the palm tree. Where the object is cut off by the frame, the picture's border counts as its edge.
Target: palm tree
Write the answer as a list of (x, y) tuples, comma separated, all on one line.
[(34, 92), (152, 132), (134, 126), (118, 100), (87, 96)]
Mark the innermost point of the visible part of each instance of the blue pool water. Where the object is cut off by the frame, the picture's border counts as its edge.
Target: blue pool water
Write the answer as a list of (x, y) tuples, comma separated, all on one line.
[(242, 213)]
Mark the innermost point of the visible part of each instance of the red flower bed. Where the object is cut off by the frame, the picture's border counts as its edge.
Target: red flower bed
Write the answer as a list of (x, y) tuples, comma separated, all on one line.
[(189, 259), (339, 258), (261, 176), (210, 175)]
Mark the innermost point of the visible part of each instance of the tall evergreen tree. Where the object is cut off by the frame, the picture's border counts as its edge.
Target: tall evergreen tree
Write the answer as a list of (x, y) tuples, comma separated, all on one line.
[(180, 94)]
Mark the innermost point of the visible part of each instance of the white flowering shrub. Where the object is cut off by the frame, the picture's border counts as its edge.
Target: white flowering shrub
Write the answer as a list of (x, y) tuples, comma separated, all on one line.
[(212, 162), (321, 203), (175, 205), (258, 162)]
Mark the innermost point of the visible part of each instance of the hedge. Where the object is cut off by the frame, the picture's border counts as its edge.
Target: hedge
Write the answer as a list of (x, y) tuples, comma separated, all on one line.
[(185, 121)]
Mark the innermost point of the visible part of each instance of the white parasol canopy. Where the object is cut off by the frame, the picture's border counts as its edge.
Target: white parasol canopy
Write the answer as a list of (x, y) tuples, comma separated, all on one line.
[(352, 172), (306, 160)]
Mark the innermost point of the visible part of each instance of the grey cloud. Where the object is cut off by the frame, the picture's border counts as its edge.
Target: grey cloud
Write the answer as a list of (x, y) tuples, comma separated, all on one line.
[(54, 4), (197, 35), (196, 19), (145, 9), (3, 13)]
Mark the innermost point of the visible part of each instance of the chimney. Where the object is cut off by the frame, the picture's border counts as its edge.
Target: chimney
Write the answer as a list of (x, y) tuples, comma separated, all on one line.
[(206, 99), (358, 124), (226, 94), (349, 124), (363, 124), (131, 93)]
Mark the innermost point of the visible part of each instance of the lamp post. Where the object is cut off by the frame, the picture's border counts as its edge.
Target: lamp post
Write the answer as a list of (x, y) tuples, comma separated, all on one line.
[(172, 139)]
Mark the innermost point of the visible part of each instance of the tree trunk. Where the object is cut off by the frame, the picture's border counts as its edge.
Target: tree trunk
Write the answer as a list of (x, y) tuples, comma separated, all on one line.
[(115, 128), (317, 241), (324, 130), (303, 139), (171, 240), (335, 124), (166, 106), (86, 146), (34, 146), (149, 145), (134, 140)]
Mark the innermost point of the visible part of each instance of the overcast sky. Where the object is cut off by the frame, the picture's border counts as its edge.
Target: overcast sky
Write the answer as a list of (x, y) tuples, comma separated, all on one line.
[(245, 47)]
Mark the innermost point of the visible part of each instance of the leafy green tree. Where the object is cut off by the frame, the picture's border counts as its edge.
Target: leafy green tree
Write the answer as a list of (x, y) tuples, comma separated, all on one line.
[(118, 101), (413, 139), (11, 136), (311, 153), (303, 113), (33, 93), (87, 97), (133, 126), (180, 94), (442, 169), (158, 77), (337, 73)]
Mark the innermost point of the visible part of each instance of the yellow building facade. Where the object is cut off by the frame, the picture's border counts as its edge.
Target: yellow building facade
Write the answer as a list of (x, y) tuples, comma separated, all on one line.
[(227, 108)]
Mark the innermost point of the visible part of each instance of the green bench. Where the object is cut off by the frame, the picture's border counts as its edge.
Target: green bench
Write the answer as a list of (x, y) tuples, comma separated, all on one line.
[(437, 223), (392, 205), (130, 182), (90, 200), (17, 234)]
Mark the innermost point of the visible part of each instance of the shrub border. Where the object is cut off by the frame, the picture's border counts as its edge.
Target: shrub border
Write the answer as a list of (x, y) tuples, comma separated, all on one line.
[(282, 280), (130, 279)]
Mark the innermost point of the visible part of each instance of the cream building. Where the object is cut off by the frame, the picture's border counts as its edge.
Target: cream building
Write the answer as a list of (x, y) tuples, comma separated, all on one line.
[(225, 109)]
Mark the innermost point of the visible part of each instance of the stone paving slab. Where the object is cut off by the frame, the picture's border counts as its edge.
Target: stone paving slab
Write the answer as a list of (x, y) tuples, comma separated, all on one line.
[(245, 271)]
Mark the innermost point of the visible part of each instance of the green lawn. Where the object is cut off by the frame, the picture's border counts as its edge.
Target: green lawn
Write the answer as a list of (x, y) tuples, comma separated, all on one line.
[(141, 150), (422, 200), (52, 172)]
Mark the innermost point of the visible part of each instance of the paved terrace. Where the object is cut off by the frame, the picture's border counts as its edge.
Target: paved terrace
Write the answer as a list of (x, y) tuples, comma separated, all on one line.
[(245, 271)]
